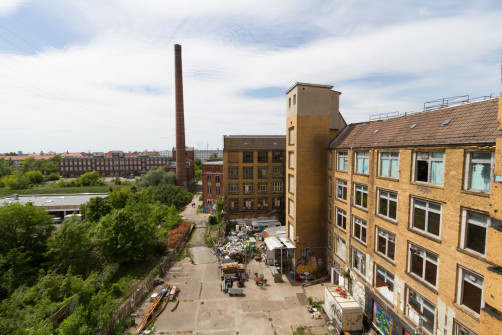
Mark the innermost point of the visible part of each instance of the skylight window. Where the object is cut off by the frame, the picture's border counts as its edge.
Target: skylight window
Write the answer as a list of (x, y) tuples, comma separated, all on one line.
[(413, 126), (446, 122)]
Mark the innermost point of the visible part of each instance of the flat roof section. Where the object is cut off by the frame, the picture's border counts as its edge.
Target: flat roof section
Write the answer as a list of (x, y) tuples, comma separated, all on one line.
[(53, 201), (254, 142)]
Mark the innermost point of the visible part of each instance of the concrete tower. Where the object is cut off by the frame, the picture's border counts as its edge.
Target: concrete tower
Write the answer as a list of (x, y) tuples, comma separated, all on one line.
[(181, 169)]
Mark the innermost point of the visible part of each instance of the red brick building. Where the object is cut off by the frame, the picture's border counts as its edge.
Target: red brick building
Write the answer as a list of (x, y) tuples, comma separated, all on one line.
[(212, 181), (121, 164)]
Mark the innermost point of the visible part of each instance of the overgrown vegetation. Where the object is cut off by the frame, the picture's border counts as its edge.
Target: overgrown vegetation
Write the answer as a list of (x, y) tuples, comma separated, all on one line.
[(198, 169), (43, 269), (31, 172)]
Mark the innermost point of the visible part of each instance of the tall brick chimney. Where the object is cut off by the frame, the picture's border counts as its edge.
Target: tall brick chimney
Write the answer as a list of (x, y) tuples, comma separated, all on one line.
[(181, 169)]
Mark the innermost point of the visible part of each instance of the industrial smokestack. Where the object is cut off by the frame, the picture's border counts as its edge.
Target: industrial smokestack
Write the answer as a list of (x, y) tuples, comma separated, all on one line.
[(181, 169)]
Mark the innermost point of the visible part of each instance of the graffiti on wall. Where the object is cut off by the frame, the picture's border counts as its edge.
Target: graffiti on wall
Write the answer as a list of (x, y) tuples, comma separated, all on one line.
[(381, 319)]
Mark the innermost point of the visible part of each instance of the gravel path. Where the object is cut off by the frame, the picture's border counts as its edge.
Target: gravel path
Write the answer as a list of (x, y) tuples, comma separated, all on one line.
[(199, 252)]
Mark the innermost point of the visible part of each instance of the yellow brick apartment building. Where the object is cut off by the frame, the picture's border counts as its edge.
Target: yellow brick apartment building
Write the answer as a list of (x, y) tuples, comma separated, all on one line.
[(408, 208), (253, 175)]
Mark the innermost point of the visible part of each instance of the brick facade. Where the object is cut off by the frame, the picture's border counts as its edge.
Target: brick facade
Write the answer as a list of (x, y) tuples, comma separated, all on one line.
[(253, 169), (212, 181), (405, 215)]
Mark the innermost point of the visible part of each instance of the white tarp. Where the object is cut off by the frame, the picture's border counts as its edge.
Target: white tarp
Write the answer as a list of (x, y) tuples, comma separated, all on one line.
[(278, 243), (273, 243)]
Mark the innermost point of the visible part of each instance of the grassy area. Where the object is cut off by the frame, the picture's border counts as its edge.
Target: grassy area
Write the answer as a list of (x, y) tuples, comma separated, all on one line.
[(60, 190)]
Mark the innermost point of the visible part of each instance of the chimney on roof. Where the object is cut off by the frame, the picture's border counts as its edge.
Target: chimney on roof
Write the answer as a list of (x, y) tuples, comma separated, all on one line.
[(181, 169)]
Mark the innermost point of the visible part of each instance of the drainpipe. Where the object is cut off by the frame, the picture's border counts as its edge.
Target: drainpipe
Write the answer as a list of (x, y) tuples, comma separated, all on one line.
[(349, 201)]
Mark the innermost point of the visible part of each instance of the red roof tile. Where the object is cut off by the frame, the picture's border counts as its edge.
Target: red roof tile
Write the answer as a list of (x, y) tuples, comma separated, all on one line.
[(470, 123)]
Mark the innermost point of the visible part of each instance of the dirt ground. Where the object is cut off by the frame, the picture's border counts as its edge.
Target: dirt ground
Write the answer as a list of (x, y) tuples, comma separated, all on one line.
[(276, 309)]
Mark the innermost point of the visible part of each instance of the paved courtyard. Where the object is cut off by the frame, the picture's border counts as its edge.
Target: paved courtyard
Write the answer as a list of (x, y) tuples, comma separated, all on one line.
[(203, 308)]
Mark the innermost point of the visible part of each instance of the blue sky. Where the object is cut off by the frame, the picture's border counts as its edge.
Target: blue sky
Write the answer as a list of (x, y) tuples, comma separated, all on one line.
[(98, 75)]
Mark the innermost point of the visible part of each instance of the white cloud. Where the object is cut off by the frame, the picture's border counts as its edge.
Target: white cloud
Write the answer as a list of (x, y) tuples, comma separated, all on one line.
[(116, 90), (8, 6)]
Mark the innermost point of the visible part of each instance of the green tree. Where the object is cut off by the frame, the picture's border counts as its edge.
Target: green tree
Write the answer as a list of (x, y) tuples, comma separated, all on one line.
[(173, 219), (95, 208), (125, 234), (171, 195), (219, 208), (5, 167), (35, 177), (156, 177), (119, 198), (198, 169), (69, 249), (15, 181), (24, 230), (91, 179)]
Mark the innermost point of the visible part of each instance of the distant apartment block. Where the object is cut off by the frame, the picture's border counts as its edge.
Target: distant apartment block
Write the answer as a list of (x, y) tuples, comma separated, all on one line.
[(253, 169), (118, 163)]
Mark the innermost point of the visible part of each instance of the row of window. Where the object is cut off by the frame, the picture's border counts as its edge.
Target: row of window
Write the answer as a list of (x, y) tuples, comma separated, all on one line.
[(127, 161), (422, 264), (248, 203), (248, 188), (262, 157), (425, 216), (428, 167), (262, 172)]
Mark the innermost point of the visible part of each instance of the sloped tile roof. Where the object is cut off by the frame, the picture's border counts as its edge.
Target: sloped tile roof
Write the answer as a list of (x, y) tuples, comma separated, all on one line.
[(470, 124)]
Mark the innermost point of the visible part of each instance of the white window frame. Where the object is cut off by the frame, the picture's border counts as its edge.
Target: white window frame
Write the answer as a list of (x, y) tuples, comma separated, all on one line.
[(339, 251), (387, 196), (387, 278), (247, 188), (419, 156), (344, 155), (464, 233), (291, 135), (277, 187), (365, 157), (427, 256), (363, 189), (361, 256), (389, 238), (423, 304), (357, 221), (392, 156), (330, 186), (291, 183), (468, 169), (340, 183), (473, 278), (248, 204), (428, 210), (262, 187), (343, 216)]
